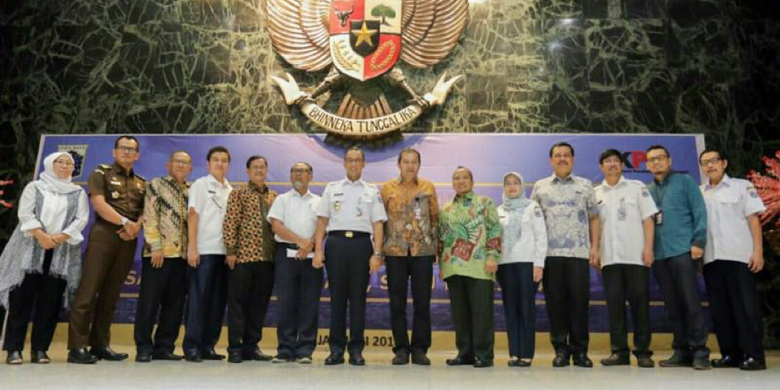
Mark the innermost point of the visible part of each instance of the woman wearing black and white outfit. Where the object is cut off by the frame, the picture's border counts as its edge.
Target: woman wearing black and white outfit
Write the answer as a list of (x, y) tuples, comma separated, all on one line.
[(41, 265), (524, 242)]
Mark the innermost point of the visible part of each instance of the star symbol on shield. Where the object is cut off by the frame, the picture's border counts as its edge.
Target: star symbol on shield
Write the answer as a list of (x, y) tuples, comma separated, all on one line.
[(364, 35)]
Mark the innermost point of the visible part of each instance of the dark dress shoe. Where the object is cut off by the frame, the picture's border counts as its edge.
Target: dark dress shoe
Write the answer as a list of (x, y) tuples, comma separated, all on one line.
[(81, 356), (334, 359), (39, 357), (752, 364), (211, 355), (167, 356), (645, 362), (400, 358), (106, 353), (701, 363), (677, 360), (14, 357), (192, 357), (483, 363), (357, 360), (561, 360), (523, 363), (143, 357), (616, 359), (257, 355), (727, 361), (235, 357), (420, 359), (582, 360), (460, 361)]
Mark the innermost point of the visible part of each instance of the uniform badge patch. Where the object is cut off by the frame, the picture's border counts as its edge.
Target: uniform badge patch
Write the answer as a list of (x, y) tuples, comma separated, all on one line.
[(115, 195)]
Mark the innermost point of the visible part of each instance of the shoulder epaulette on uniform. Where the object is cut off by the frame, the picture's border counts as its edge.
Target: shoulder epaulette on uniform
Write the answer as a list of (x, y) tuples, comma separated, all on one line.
[(100, 168)]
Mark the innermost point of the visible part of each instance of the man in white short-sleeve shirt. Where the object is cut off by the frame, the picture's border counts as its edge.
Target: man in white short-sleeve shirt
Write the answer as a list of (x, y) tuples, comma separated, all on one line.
[(350, 211), (293, 218), (626, 212), (733, 253), (207, 292)]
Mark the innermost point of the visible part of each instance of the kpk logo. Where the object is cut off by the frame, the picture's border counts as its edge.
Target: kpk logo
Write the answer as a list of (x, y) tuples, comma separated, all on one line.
[(360, 42)]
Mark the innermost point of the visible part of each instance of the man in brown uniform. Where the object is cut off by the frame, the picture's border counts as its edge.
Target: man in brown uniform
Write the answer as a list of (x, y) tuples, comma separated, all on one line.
[(117, 195)]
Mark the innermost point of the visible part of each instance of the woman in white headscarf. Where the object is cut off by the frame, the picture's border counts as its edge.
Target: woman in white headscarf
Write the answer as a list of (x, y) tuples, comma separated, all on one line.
[(524, 242), (41, 265)]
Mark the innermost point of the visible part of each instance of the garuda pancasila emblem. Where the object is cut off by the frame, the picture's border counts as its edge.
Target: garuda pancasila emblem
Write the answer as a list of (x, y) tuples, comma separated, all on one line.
[(363, 40)]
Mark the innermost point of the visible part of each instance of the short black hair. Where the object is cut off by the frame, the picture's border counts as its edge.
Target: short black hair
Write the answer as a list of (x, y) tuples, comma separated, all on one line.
[(560, 145), (610, 153), (410, 150), (720, 154), (311, 170), (471, 175), (255, 157), (129, 137), (658, 147), (217, 149), (351, 148)]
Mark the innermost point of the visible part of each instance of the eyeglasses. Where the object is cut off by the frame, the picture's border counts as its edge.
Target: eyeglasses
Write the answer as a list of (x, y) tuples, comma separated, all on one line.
[(300, 171), (183, 163), (64, 163), (126, 149), (711, 161), (657, 159)]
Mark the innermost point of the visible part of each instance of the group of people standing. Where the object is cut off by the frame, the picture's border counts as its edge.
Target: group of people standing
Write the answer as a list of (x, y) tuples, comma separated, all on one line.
[(211, 249)]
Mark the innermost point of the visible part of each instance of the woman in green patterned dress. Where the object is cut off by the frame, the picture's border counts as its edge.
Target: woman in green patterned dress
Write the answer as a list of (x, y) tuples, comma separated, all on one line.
[(470, 237)]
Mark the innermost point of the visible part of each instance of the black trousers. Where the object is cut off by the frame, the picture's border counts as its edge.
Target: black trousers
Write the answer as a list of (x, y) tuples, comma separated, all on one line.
[(42, 291), (249, 291), (206, 296), (735, 309), (346, 260), (420, 271), (2, 320), (567, 293), (472, 312), (677, 279), (163, 290), (298, 290), (628, 282), (518, 291)]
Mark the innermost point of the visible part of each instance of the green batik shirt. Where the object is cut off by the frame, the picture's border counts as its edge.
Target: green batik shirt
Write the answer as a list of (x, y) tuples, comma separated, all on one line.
[(470, 234)]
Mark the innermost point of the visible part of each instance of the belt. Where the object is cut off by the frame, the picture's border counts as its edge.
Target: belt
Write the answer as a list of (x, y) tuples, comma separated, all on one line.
[(348, 234), (286, 245)]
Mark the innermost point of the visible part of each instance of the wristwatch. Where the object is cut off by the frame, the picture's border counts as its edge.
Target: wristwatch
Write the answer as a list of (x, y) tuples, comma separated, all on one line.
[(124, 221), (379, 255)]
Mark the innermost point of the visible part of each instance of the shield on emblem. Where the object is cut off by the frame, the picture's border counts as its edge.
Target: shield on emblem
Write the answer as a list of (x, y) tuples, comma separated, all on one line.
[(365, 36)]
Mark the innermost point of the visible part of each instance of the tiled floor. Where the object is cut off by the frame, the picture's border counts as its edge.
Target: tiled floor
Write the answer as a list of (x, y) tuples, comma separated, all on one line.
[(378, 374)]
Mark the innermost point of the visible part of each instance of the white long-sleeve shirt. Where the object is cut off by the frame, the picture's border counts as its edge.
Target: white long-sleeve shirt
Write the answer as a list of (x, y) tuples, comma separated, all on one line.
[(532, 245), (53, 213)]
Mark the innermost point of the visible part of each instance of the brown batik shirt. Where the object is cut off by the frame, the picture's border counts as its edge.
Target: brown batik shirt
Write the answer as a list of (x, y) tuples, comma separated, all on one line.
[(412, 217), (245, 230)]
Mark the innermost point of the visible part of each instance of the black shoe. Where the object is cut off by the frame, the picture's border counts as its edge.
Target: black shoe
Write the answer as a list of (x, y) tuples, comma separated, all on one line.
[(582, 360), (616, 359), (523, 363), (645, 362), (357, 359), (334, 359), (420, 359), (39, 357), (460, 361), (483, 363), (677, 360), (283, 359), (701, 363), (751, 364), (256, 355), (400, 358), (14, 357), (81, 356), (211, 355), (143, 357), (167, 356), (193, 357), (106, 353), (235, 357), (561, 360), (727, 361)]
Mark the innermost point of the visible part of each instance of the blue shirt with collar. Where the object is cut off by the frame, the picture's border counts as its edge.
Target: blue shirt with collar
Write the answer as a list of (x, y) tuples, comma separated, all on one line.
[(684, 216)]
